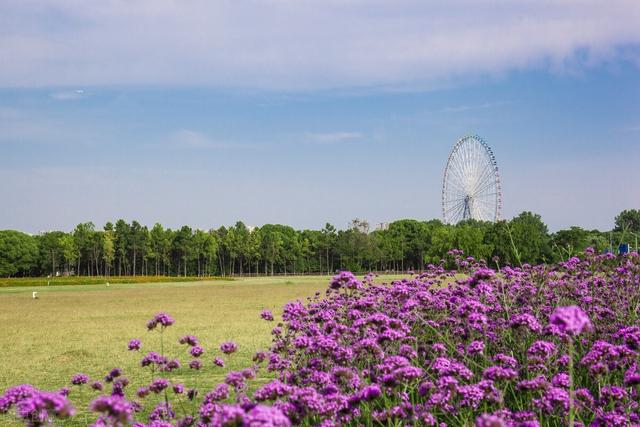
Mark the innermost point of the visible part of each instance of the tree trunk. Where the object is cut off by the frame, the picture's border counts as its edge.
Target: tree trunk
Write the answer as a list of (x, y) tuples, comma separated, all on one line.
[(134, 261)]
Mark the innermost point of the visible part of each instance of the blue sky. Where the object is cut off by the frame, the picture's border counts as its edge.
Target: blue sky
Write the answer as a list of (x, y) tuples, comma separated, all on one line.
[(296, 113)]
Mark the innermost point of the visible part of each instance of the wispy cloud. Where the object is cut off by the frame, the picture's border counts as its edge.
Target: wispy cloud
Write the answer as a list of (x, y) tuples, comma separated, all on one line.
[(68, 95), (467, 107), (187, 138), (307, 45), (630, 129), (332, 137)]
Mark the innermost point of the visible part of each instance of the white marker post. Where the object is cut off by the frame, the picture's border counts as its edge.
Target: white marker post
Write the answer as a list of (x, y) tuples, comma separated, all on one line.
[(34, 295)]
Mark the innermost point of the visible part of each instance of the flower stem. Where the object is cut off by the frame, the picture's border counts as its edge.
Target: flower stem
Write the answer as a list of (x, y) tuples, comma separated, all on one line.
[(571, 403)]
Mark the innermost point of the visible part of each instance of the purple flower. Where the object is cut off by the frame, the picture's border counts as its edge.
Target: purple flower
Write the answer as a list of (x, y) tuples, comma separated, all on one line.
[(271, 391), (542, 349), (267, 315), (219, 393), (235, 379), (79, 379), (189, 340), (162, 319), (153, 358), (345, 279), (41, 406), (195, 364), (228, 347), (134, 345), (178, 388), (114, 410), (496, 373), (171, 365), (371, 392), (143, 392), (158, 385), (266, 416), (97, 385), (476, 347), (113, 374), (571, 320), (218, 362), (525, 320), (196, 351), (488, 420)]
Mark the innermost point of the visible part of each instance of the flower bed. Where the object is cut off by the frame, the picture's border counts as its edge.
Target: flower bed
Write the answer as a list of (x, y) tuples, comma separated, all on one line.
[(538, 345)]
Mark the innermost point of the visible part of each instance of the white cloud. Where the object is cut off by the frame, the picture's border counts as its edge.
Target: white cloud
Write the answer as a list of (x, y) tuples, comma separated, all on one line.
[(68, 95), (285, 44), (332, 137)]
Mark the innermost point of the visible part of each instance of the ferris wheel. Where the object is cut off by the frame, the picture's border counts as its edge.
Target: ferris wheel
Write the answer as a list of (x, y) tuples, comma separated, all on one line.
[(471, 184)]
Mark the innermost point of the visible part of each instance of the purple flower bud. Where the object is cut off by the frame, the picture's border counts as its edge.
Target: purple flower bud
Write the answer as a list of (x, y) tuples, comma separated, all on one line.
[(158, 385), (134, 345), (189, 340), (79, 379)]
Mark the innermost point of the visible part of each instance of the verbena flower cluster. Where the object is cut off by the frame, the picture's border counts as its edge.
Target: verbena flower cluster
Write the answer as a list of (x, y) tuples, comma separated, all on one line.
[(550, 345)]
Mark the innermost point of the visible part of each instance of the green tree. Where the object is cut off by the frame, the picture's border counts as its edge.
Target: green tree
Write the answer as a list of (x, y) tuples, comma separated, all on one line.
[(272, 244), (70, 251), (83, 235), (18, 253), (122, 237), (531, 238), (327, 242), (567, 243), (108, 251), (51, 250), (183, 246), (628, 220)]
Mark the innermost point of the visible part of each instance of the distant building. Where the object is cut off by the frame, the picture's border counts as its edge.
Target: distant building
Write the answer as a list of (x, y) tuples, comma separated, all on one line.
[(382, 226)]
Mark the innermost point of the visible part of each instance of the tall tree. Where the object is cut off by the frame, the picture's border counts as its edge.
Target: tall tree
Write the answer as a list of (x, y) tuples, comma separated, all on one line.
[(108, 251), (83, 235), (328, 242), (70, 252), (122, 237), (51, 250)]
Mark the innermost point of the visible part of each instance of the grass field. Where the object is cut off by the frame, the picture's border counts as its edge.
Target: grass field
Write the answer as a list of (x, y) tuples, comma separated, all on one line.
[(84, 280), (85, 328)]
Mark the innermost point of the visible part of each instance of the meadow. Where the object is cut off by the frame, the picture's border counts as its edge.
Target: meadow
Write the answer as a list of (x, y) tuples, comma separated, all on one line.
[(85, 328), (99, 280)]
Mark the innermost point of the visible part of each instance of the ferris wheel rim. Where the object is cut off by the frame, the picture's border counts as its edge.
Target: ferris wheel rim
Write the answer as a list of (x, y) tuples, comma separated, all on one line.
[(481, 163)]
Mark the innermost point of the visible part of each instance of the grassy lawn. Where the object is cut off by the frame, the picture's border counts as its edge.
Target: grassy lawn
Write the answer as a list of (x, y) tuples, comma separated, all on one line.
[(85, 328), (84, 280)]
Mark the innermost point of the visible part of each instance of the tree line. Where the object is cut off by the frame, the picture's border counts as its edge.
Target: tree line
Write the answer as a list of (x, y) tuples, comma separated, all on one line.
[(132, 249)]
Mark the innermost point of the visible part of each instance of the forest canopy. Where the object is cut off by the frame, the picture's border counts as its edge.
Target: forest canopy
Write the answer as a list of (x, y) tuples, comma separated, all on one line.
[(130, 249)]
